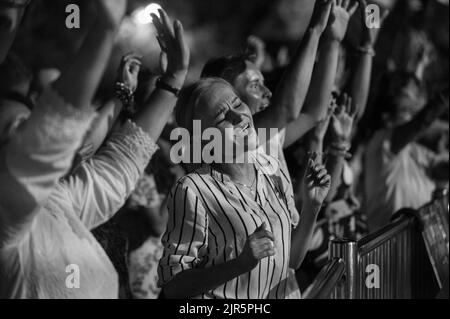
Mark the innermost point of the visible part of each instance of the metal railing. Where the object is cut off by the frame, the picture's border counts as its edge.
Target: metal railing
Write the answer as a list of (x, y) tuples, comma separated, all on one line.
[(406, 259), (326, 281), (435, 231)]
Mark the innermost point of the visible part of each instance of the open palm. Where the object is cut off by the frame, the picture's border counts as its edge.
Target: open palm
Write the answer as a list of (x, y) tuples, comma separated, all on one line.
[(340, 17), (343, 119)]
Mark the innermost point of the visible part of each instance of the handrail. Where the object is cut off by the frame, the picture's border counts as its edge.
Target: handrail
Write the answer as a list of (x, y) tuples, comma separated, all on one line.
[(397, 256), (377, 239), (326, 281), (434, 219)]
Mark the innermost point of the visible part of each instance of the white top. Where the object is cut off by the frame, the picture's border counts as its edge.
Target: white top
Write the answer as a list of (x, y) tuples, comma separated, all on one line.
[(395, 181), (49, 251)]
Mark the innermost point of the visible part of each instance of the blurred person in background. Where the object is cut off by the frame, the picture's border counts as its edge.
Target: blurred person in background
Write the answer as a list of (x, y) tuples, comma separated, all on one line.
[(11, 15), (397, 168), (97, 188)]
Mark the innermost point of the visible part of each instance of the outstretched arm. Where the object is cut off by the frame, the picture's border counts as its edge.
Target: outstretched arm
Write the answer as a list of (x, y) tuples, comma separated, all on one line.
[(405, 134), (360, 83), (99, 187), (319, 95), (341, 133), (290, 95), (154, 115), (79, 82), (42, 150)]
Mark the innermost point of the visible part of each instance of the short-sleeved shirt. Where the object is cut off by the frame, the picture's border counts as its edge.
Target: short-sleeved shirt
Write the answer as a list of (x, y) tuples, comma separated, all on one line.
[(210, 219), (57, 257), (395, 181)]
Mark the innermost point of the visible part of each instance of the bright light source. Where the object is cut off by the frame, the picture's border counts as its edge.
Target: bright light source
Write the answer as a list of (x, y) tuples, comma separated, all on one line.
[(142, 15)]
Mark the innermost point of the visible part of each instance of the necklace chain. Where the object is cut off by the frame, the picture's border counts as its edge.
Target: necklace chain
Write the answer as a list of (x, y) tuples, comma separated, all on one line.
[(251, 186)]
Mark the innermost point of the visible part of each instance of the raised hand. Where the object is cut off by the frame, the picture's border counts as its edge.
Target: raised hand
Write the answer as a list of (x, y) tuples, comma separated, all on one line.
[(129, 71), (173, 44), (343, 119), (321, 15), (258, 246), (341, 13), (317, 183), (111, 12), (370, 35), (256, 50)]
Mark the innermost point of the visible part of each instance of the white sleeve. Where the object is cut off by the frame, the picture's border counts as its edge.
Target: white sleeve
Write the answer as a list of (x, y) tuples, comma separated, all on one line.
[(36, 157), (100, 186)]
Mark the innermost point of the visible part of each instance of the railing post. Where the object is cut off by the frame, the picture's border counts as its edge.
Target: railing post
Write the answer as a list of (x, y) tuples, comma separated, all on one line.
[(346, 250)]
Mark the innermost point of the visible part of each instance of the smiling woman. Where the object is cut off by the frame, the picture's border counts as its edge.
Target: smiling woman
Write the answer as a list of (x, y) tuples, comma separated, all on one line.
[(211, 109), (230, 224)]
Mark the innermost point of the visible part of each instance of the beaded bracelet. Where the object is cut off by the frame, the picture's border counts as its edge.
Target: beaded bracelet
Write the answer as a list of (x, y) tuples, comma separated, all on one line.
[(126, 96), (340, 150), (339, 153)]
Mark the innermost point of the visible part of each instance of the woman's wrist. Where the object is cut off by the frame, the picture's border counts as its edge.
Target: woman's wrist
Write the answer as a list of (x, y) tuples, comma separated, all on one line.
[(315, 32), (366, 48), (312, 206), (175, 78), (330, 42), (340, 148)]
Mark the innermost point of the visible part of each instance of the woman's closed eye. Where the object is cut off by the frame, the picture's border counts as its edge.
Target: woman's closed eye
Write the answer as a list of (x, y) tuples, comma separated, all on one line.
[(238, 105)]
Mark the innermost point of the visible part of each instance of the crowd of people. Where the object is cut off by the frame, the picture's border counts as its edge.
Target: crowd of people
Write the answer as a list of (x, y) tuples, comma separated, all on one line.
[(89, 181)]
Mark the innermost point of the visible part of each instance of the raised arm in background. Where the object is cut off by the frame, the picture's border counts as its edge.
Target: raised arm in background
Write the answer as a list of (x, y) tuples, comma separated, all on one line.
[(362, 74), (80, 80), (100, 186), (290, 95), (340, 142), (407, 133), (319, 95), (42, 149)]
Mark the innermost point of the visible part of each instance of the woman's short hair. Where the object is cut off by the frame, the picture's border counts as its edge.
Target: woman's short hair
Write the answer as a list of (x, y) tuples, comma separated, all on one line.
[(190, 97)]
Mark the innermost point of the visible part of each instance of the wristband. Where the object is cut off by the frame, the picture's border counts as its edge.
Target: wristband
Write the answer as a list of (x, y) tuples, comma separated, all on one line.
[(340, 150), (339, 153), (364, 50), (160, 84)]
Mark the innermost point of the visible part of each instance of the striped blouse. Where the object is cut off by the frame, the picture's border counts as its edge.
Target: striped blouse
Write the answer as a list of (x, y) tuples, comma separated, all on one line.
[(210, 219)]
